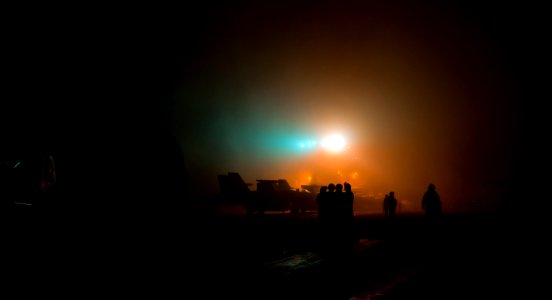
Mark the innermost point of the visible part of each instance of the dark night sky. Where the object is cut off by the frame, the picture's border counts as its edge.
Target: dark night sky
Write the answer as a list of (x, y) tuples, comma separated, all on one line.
[(423, 92)]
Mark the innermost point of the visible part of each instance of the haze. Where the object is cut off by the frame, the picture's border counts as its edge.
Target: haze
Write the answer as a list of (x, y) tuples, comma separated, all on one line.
[(422, 94)]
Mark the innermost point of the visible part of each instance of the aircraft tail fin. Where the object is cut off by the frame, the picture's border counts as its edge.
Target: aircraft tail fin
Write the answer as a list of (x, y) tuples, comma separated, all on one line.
[(232, 184)]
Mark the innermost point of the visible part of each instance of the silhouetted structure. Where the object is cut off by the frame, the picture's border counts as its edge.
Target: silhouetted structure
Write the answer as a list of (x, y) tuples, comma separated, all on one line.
[(232, 187), (271, 195)]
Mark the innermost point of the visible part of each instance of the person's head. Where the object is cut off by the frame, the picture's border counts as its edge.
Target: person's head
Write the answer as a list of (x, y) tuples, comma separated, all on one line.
[(331, 187), (339, 188), (431, 187), (323, 189), (347, 186), (392, 194)]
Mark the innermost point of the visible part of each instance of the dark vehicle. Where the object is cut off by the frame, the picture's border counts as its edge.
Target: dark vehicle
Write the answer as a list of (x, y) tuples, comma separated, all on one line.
[(313, 188), (271, 195)]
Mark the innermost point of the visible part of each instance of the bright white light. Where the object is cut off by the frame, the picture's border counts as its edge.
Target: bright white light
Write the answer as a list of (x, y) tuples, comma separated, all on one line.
[(334, 143)]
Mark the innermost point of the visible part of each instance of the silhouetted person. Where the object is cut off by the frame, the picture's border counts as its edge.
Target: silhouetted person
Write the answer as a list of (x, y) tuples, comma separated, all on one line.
[(386, 205), (391, 205), (331, 208), (329, 220), (340, 209), (331, 188), (349, 197), (431, 202), (322, 201)]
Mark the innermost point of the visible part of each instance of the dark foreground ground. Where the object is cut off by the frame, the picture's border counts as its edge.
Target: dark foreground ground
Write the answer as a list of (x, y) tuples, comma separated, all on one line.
[(457, 257), (274, 256)]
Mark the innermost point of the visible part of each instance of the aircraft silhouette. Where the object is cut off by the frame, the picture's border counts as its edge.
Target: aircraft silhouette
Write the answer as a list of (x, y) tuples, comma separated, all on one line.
[(271, 195)]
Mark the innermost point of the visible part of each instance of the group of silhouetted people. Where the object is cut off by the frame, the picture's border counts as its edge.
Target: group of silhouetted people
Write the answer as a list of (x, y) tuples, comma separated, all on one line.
[(336, 216)]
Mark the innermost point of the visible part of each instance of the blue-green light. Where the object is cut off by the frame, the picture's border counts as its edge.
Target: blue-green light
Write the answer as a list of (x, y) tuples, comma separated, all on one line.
[(307, 145)]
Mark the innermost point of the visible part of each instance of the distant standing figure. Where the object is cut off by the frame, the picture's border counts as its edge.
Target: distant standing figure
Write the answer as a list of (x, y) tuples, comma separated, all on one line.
[(391, 205), (386, 205), (431, 202)]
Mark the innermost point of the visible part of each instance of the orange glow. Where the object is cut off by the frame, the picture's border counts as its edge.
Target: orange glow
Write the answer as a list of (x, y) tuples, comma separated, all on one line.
[(391, 106)]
